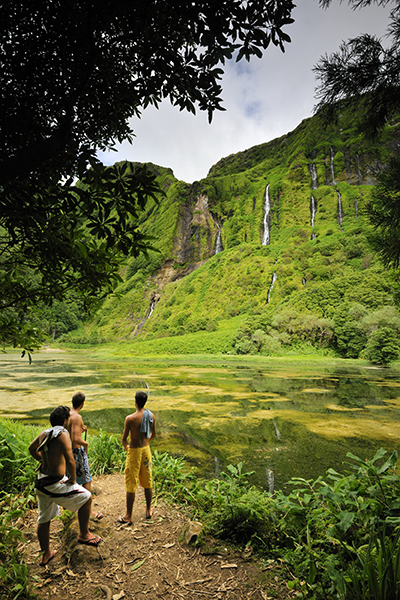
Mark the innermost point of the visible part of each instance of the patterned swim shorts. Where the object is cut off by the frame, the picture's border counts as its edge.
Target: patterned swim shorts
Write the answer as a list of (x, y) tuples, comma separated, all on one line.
[(82, 466)]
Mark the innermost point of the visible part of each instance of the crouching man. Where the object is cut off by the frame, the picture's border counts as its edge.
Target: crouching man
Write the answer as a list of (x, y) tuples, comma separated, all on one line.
[(52, 448)]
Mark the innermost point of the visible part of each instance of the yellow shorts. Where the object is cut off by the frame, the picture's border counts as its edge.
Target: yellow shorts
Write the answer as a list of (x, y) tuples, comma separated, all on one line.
[(138, 468)]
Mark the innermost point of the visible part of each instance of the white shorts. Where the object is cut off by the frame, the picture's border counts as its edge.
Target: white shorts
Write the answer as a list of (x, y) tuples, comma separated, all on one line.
[(71, 496)]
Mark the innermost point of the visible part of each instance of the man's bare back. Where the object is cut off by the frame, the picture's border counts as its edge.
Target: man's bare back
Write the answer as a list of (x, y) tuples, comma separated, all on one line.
[(137, 439), (76, 427), (58, 458)]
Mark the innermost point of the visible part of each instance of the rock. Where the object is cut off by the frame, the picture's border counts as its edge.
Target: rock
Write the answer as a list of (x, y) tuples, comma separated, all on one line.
[(82, 556), (192, 532)]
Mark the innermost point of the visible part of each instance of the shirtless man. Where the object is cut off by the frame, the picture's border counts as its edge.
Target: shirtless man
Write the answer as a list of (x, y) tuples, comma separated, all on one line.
[(76, 427), (52, 448), (140, 427)]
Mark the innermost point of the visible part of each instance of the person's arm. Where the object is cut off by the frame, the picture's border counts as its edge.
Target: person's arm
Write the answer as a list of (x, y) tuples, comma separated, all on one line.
[(33, 446), (153, 431), (69, 457), (125, 434), (76, 428)]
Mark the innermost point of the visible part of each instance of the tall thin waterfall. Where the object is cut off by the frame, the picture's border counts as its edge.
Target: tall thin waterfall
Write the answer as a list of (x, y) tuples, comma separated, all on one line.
[(267, 208), (340, 210), (356, 207), (147, 316), (274, 278), (332, 167), (314, 178), (218, 243), (313, 210), (152, 305)]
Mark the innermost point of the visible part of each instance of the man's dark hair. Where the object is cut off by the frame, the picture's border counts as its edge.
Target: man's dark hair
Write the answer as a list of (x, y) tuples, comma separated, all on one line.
[(141, 399), (78, 399), (59, 415)]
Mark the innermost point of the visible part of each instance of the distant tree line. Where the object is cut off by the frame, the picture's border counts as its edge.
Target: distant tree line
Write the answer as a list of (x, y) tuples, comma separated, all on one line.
[(352, 332)]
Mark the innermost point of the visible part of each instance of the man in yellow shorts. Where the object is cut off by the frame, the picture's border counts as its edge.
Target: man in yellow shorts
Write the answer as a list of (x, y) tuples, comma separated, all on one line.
[(140, 428)]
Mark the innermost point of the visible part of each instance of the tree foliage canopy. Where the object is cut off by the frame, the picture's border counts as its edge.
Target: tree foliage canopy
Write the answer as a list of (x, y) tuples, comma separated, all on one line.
[(384, 214), (364, 73), (72, 75)]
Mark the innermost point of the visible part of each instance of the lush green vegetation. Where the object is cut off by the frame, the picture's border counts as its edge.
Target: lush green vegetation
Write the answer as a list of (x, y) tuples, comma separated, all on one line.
[(17, 476), (337, 537), (319, 286)]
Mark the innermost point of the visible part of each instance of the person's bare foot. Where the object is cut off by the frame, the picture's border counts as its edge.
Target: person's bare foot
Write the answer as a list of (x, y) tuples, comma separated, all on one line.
[(47, 557), (149, 514)]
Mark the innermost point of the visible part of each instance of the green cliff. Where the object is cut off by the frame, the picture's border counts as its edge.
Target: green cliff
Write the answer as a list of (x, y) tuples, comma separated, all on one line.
[(267, 254)]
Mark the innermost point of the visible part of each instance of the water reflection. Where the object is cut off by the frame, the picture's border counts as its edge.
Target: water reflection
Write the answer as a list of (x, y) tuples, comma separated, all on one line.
[(270, 485), (280, 418)]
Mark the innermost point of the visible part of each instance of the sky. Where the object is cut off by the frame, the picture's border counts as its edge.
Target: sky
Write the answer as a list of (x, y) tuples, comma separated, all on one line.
[(264, 99)]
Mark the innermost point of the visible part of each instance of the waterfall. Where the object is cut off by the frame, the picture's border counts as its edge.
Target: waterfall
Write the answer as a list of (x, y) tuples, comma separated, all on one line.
[(340, 210), (218, 243), (271, 480), (274, 278), (314, 178), (217, 467), (152, 305), (147, 316), (267, 207), (332, 168), (313, 210), (303, 281)]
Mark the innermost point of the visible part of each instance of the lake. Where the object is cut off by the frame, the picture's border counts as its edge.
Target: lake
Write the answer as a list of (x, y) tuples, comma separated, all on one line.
[(282, 418)]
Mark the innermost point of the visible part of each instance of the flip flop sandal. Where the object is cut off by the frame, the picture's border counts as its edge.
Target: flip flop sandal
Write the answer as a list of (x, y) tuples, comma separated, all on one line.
[(94, 541), (122, 521)]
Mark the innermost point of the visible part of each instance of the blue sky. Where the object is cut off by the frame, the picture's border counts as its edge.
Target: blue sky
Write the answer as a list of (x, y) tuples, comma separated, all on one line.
[(264, 99)]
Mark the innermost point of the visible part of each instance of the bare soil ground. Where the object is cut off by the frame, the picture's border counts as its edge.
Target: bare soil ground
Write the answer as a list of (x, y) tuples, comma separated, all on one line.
[(149, 560)]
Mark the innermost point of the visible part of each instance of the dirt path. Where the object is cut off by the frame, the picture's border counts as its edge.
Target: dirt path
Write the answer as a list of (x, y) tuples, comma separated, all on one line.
[(148, 560)]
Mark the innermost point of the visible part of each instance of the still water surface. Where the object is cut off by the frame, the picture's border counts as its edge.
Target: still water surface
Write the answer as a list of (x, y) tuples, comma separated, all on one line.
[(281, 418)]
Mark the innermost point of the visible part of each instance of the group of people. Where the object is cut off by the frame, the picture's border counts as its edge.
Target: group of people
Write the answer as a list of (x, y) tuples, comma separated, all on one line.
[(64, 478)]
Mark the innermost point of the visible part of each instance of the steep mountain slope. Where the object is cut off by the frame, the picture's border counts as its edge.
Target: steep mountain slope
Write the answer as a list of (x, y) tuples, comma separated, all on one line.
[(268, 251)]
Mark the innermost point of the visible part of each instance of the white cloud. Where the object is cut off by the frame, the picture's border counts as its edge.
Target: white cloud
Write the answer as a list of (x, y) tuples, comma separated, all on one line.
[(264, 99)]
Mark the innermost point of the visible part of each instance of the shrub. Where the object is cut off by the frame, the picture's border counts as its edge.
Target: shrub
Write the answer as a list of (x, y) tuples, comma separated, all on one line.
[(382, 347), (106, 454), (246, 519), (17, 467)]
